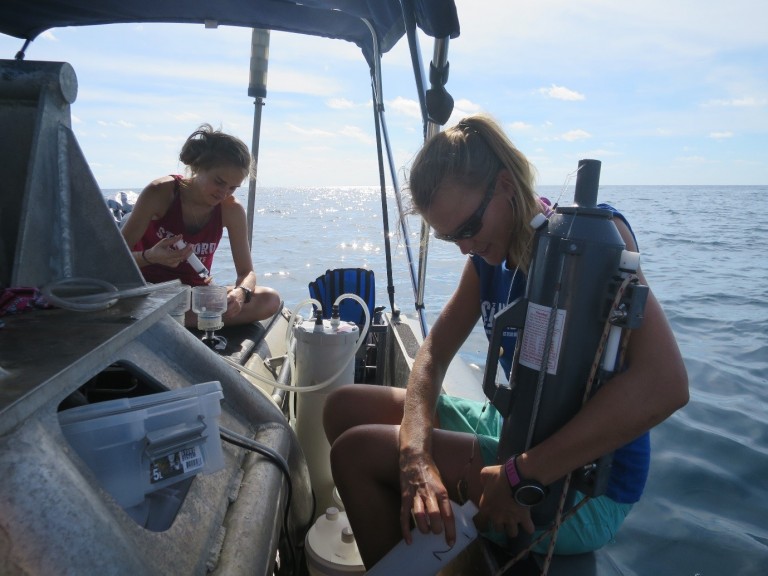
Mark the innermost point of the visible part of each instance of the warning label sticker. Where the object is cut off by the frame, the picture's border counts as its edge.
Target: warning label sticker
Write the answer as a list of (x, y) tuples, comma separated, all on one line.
[(535, 334)]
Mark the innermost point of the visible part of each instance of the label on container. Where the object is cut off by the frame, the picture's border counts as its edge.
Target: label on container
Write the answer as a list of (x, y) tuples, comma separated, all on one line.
[(176, 464), (534, 336)]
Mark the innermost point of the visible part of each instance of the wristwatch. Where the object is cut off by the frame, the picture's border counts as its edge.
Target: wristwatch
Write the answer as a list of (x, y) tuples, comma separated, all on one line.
[(525, 492), (248, 293)]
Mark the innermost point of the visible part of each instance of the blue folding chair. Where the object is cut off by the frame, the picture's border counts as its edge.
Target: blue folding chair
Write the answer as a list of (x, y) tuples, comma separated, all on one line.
[(359, 281)]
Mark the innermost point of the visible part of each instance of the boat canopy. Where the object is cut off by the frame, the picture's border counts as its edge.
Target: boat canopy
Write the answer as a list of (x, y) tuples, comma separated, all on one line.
[(339, 19)]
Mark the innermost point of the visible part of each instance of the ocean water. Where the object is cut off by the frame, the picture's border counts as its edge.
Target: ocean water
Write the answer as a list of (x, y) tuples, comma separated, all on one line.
[(705, 509)]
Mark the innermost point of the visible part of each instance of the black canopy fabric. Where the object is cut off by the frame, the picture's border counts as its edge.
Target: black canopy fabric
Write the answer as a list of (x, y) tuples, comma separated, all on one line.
[(342, 19)]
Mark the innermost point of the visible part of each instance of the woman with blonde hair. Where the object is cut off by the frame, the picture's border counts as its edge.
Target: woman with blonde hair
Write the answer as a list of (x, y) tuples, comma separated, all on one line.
[(401, 454)]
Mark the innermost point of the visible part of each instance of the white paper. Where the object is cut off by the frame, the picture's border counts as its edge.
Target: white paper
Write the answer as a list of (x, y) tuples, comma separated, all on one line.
[(428, 553)]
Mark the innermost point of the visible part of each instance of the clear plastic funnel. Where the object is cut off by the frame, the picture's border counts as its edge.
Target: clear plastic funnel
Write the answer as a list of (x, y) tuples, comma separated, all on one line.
[(180, 311), (209, 303)]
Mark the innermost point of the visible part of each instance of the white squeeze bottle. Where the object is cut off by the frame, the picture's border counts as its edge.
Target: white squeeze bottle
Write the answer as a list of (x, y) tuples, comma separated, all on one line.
[(193, 260)]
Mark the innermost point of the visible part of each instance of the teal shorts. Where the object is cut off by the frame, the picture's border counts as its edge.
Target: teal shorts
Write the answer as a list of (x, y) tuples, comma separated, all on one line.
[(591, 527)]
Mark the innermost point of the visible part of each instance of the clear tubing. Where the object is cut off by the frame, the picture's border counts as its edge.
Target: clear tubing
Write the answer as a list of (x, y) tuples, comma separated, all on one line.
[(287, 387), (291, 356), (288, 347), (292, 319), (330, 379), (367, 325), (99, 301), (253, 374)]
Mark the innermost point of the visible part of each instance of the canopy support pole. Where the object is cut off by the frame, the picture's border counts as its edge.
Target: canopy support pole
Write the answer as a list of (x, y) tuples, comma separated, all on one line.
[(436, 107), (378, 111), (257, 88)]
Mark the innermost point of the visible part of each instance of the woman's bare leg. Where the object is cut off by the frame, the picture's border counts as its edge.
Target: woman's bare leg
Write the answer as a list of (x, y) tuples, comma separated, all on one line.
[(364, 461), (265, 302), (356, 404)]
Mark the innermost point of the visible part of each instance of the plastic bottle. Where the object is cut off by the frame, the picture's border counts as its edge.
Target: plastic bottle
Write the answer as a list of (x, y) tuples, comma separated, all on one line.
[(331, 548), (180, 311)]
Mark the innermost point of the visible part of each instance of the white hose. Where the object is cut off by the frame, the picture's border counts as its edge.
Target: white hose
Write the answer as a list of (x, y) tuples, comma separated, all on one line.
[(255, 375), (97, 301), (291, 356), (292, 319), (294, 315), (367, 324)]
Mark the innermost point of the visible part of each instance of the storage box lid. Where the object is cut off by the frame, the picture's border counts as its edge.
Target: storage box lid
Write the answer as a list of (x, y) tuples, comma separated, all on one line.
[(122, 405)]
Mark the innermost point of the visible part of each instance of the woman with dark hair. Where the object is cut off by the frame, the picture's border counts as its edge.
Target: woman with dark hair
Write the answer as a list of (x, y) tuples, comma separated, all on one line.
[(176, 216)]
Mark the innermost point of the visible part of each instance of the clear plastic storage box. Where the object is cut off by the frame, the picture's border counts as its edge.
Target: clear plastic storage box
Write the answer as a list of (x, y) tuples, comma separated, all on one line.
[(136, 446)]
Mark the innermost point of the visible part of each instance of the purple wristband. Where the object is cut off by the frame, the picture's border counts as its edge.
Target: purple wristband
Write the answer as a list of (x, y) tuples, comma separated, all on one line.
[(513, 477)]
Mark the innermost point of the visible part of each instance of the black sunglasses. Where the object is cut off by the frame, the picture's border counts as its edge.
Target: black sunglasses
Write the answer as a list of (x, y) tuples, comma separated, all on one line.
[(474, 223)]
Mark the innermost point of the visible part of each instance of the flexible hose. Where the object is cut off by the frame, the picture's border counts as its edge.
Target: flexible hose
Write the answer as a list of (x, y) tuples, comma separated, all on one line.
[(367, 313), (295, 315), (98, 301), (292, 358)]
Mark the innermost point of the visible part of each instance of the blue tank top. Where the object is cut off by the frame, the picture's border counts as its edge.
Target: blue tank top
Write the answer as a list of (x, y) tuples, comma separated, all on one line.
[(500, 286)]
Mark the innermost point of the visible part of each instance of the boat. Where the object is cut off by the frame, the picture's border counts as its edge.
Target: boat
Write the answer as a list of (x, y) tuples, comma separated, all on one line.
[(121, 204), (111, 340)]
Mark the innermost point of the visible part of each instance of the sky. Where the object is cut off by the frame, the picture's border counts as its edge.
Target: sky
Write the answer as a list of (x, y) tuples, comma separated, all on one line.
[(663, 93)]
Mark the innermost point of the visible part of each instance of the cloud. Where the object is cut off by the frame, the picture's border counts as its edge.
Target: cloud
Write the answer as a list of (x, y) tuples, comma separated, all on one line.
[(462, 108), (519, 126), (405, 107), (356, 134), (467, 106), (116, 123), (156, 138), (561, 93), (188, 117), (299, 82), (341, 104), (721, 135), (308, 131), (206, 75), (692, 159), (600, 153), (573, 135), (744, 102), (569, 136)]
